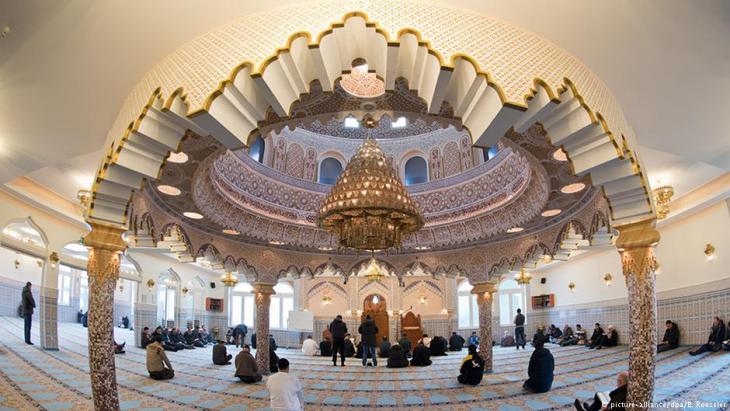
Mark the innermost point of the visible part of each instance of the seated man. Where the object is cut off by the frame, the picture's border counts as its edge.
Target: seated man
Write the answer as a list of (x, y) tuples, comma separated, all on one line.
[(397, 358), (613, 401), (199, 337), (158, 365), (119, 348), (358, 350), (164, 339), (472, 368), (540, 335), (456, 342), (426, 340), (405, 344), (580, 335), (178, 339), (229, 336), (191, 338), (555, 334), (349, 346), (325, 348), (253, 341), (596, 337), (125, 322), (206, 336), (610, 339), (438, 346), (309, 347), (714, 341), (246, 369), (146, 338), (272, 343), (273, 361), (285, 389), (421, 355), (474, 339), (568, 337), (384, 348), (507, 340), (540, 370), (671, 337), (220, 354)]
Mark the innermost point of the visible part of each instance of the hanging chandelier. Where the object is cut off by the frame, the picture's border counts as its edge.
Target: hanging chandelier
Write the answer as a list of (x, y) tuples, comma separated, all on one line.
[(373, 272), (229, 279), (368, 208), (523, 277)]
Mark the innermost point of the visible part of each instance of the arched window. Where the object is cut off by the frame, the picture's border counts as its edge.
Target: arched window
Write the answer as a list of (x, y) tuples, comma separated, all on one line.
[(511, 297), (281, 303), (329, 169), (416, 171), (490, 152), (166, 294), (468, 310), (242, 305), (256, 149)]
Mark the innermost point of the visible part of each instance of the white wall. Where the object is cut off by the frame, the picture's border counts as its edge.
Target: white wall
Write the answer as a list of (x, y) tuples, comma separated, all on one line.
[(680, 254)]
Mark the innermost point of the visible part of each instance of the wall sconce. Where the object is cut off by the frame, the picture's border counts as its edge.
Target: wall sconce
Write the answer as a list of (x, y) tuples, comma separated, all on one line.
[(150, 284), (185, 291), (547, 258), (84, 197), (326, 300), (608, 278), (16, 263), (662, 197), (54, 259), (39, 262), (422, 299), (710, 252), (572, 287)]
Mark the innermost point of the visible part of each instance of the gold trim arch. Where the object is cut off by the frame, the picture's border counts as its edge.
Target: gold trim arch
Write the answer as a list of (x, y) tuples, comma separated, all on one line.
[(232, 110)]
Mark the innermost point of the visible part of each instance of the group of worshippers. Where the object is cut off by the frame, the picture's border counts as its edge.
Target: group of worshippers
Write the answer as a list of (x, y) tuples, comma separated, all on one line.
[(717, 340), (172, 339)]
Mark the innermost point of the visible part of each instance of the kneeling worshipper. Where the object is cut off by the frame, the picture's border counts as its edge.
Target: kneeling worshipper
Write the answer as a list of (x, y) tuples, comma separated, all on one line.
[(580, 334), (568, 337), (177, 338), (146, 338), (164, 339), (554, 334), (539, 335), (246, 369), (438, 346), (309, 347), (714, 341), (426, 340), (206, 336), (596, 337), (119, 348), (474, 339), (610, 339), (456, 342), (285, 389), (325, 348), (405, 344), (507, 340), (384, 348), (472, 368), (670, 340), (158, 365), (614, 400), (350, 346), (273, 361), (220, 354), (421, 355), (397, 358), (541, 368)]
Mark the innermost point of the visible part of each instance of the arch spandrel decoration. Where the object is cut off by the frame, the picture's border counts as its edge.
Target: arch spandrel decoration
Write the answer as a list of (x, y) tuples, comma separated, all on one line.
[(231, 112)]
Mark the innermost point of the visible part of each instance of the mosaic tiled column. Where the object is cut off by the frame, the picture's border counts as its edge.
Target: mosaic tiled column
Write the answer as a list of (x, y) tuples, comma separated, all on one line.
[(49, 305), (262, 293), (484, 293), (636, 245), (105, 245)]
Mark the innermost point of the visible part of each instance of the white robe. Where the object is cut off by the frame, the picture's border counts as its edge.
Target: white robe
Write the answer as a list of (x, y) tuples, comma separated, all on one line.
[(309, 347)]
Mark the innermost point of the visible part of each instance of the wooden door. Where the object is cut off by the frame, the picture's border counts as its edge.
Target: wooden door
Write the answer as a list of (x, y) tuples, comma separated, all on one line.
[(378, 312)]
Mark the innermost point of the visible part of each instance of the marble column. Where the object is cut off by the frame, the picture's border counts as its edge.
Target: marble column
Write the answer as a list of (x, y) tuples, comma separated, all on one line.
[(635, 244), (49, 304), (105, 246), (484, 293), (262, 293)]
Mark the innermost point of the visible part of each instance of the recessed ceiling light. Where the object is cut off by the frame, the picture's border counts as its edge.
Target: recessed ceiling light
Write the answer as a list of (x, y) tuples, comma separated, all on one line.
[(560, 155), (423, 247), (177, 158), (326, 248), (551, 213), (169, 190), (573, 188), (276, 242), (515, 230), (231, 231), (194, 216)]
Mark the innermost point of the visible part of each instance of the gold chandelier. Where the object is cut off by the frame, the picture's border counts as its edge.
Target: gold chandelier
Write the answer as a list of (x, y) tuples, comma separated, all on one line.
[(523, 277), (373, 272), (229, 279), (368, 208), (662, 197)]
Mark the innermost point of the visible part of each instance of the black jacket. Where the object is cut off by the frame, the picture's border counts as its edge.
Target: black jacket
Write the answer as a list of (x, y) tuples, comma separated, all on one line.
[(397, 358), (717, 335), (456, 342), (617, 396), (671, 336), (349, 348), (540, 370), (473, 370), (520, 319), (146, 340), (421, 355), (384, 349), (438, 346), (597, 334), (405, 343), (338, 328), (28, 302), (368, 330), (611, 339), (219, 354), (325, 348)]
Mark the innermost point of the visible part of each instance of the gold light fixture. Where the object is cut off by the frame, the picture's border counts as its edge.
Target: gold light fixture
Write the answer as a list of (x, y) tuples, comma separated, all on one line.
[(710, 252), (229, 279), (16, 263), (326, 300), (608, 278), (368, 208), (150, 284), (523, 277), (54, 259), (84, 197), (572, 287), (185, 290), (662, 197), (373, 271)]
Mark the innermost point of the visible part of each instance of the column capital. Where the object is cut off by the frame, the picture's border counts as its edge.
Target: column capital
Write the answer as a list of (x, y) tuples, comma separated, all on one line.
[(105, 237), (636, 235), (482, 288), (263, 288)]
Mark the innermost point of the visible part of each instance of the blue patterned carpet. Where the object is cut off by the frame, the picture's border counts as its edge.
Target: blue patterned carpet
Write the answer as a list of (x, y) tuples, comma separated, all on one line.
[(31, 378)]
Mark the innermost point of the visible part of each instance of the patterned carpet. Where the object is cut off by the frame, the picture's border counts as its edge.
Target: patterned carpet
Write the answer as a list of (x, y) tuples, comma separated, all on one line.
[(31, 378)]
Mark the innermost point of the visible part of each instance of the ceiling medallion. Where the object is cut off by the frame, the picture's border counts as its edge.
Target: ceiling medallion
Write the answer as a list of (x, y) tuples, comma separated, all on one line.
[(368, 208), (361, 83)]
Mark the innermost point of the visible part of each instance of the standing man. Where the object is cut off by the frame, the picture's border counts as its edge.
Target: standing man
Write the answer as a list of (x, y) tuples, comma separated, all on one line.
[(368, 330), (520, 330), (28, 305), (338, 328)]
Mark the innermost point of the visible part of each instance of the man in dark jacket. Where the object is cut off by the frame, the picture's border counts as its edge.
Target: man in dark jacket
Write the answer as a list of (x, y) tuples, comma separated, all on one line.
[(397, 358), (540, 370), (714, 341), (617, 397), (472, 368), (368, 330), (325, 348), (146, 338), (596, 337), (384, 348), (220, 354), (610, 339), (338, 329), (421, 356), (246, 369), (671, 337), (438, 346), (405, 343), (456, 342), (239, 334), (520, 330), (28, 304)]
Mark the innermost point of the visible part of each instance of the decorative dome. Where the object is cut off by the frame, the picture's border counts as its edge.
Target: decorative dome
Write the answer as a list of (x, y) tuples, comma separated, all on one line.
[(368, 208)]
